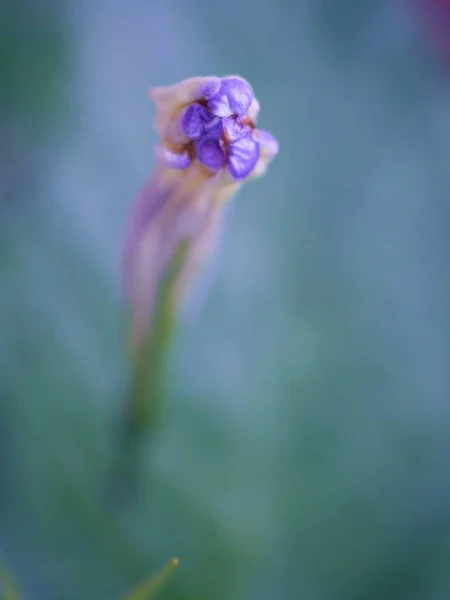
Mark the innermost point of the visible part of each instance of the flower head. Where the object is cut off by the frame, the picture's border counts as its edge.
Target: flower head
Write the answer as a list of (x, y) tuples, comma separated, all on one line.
[(209, 145), (212, 121)]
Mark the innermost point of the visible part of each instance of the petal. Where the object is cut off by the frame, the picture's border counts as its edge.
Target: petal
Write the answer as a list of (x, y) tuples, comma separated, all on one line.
[(210, 87), (253, 110), (161, 219), (188, 90), (232, 129), (145, 211), (219, 106), (214, 128), (172, 159), (170, 100), (243, 156), (210, 153), (239, 94), (268, 143), (193, 119), (174, 206), (268, 146)]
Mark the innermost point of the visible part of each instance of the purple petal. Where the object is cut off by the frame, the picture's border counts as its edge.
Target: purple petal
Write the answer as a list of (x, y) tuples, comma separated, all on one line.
[(267, 141), (214, 128), (239, 94), (211, 88), (172, 159), (232, 129), (146, 207), (219, 106), (243, 156), (210, 153), (193, 119), (160, 219)]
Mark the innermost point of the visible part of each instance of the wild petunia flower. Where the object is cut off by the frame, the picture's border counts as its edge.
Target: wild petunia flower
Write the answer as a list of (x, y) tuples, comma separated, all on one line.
[(208, 147)]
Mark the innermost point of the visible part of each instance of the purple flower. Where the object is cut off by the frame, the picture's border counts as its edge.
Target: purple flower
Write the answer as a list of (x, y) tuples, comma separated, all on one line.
[(209, 145), (215, 126)]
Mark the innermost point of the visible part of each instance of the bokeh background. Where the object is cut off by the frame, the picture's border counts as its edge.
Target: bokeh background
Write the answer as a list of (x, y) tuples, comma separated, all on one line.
[(305, 450)]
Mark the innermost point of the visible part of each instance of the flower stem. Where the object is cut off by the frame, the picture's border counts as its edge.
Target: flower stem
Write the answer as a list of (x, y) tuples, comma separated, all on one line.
[(149, 368), (147, 384)]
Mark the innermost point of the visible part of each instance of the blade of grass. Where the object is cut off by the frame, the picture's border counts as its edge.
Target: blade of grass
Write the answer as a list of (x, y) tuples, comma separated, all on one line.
[(8, 588), (149, 588)]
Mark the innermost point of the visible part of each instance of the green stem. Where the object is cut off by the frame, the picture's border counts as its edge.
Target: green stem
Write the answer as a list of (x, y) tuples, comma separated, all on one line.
[(145, 396), (148, 376)]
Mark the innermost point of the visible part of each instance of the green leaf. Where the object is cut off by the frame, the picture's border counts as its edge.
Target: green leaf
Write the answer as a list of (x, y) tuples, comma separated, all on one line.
[(150, 587)]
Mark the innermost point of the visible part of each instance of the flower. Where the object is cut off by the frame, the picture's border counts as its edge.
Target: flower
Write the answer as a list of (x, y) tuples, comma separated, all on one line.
[(436, 17), (208, 146)]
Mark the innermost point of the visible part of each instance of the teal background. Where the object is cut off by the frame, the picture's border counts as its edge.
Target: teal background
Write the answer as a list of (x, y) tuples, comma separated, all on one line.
[(305, 449)]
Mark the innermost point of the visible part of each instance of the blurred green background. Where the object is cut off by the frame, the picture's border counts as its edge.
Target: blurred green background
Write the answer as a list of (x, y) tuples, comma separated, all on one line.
[(305, 450)]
